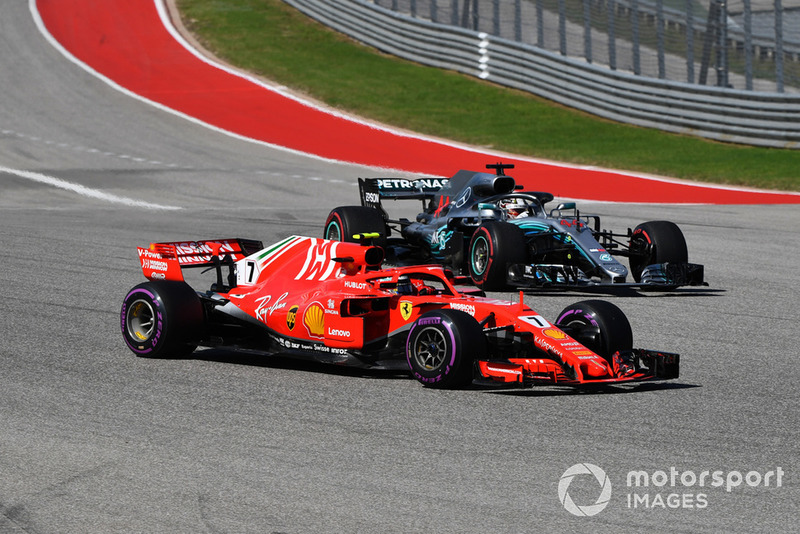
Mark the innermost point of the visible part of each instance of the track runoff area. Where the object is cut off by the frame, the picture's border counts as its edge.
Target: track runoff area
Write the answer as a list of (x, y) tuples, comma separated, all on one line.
[(134, 47)]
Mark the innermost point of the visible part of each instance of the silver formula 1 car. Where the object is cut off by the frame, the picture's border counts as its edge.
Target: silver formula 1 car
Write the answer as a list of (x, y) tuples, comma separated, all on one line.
[(482, 224)]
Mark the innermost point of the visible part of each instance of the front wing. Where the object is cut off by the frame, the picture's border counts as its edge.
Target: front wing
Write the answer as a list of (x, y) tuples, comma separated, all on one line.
[(644, 365), (657, 276)]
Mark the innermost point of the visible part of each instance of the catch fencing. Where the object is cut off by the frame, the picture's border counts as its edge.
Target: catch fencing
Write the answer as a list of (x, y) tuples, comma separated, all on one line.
[(719, 83)]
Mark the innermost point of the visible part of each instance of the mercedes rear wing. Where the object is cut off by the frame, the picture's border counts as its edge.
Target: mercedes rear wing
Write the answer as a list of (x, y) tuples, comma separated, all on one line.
[(373, 190)]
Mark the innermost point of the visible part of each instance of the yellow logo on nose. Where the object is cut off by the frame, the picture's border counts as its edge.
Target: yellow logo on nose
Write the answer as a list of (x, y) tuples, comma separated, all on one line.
[(555, 334)]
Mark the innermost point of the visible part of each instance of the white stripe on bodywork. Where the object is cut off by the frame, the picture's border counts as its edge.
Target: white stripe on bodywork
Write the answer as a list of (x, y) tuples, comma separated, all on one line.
[(319, 258)]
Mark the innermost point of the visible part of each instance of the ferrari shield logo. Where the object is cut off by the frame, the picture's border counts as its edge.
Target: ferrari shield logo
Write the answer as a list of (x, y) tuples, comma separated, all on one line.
[(405, 309)]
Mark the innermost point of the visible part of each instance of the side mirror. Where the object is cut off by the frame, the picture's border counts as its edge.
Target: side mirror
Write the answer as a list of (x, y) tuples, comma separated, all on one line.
[(563, 206)]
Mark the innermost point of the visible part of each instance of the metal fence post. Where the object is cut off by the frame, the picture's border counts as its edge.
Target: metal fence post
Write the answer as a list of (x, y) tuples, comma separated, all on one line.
[(660, 38), (779, 45), (690, 42), (562, 27), (587, 30), (748, 46), (637, 66), (722, 45), (708, 39), (612, 47), (539, 24)]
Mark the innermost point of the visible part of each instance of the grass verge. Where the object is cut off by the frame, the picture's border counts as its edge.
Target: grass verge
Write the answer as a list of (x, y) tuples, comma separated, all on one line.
[(272, 39)]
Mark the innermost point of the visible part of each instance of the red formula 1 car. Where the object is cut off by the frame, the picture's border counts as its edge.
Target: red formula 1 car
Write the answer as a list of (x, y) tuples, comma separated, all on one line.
[(330, 301)]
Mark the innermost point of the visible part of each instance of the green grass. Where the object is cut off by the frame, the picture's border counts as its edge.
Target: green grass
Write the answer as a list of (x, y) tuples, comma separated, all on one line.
[(269, 38)]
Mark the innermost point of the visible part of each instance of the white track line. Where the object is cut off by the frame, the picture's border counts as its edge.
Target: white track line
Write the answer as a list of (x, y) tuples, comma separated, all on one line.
[(84, 191)]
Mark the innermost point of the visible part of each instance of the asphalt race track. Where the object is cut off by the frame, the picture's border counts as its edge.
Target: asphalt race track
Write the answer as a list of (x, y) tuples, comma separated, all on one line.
[(93, 439)]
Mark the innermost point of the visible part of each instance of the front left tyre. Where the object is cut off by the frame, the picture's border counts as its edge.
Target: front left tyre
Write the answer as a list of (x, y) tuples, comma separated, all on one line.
[(598, 325), (442, 347), (162, 319), (656, 242)]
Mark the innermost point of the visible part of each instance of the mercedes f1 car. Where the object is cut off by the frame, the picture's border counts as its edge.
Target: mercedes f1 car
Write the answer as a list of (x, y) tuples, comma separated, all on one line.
[(331, 301), (482, 225)]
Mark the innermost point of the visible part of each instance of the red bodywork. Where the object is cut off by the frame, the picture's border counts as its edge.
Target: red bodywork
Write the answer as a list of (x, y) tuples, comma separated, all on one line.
[(332, 298)]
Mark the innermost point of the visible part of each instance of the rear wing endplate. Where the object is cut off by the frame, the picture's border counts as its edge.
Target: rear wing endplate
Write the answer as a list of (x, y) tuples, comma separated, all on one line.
[(164, 261)]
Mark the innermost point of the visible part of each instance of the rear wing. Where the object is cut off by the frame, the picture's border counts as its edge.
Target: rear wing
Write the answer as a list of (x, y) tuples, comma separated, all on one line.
[(164, 261), (373, 190)]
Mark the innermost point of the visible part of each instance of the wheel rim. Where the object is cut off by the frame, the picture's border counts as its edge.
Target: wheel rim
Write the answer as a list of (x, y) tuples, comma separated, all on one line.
[(333, 232), (430, 349), (480, 255), (141, 320)]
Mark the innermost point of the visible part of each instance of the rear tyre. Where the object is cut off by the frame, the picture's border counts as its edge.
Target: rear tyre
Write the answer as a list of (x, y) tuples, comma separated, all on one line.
[(346, 221), (162, 319), (598, 325), (494, 246), (656, 242), (442, 347)]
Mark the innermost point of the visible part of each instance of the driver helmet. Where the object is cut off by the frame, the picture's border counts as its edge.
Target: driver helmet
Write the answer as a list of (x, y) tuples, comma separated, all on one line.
[(514, 208), (404, 286)]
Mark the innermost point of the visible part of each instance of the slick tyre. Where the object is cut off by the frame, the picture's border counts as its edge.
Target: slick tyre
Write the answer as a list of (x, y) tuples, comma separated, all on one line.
[(494, 246), (442, 347), (598, 325), (162, 319), (656, 242), (346, 221)]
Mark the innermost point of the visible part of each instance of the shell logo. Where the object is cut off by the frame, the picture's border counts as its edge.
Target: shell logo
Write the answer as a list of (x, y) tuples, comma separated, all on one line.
[(314, 319), (554, 334)]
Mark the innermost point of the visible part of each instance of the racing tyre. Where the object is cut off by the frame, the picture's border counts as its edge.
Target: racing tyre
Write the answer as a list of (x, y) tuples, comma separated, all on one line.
[(493, 247), (346, 221), (162, 319), (442, 347), (598, 325), (656, 242)]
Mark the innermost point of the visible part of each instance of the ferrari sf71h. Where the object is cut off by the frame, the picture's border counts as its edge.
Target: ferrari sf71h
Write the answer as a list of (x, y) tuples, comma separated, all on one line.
[(331, 301), (481, 224)]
